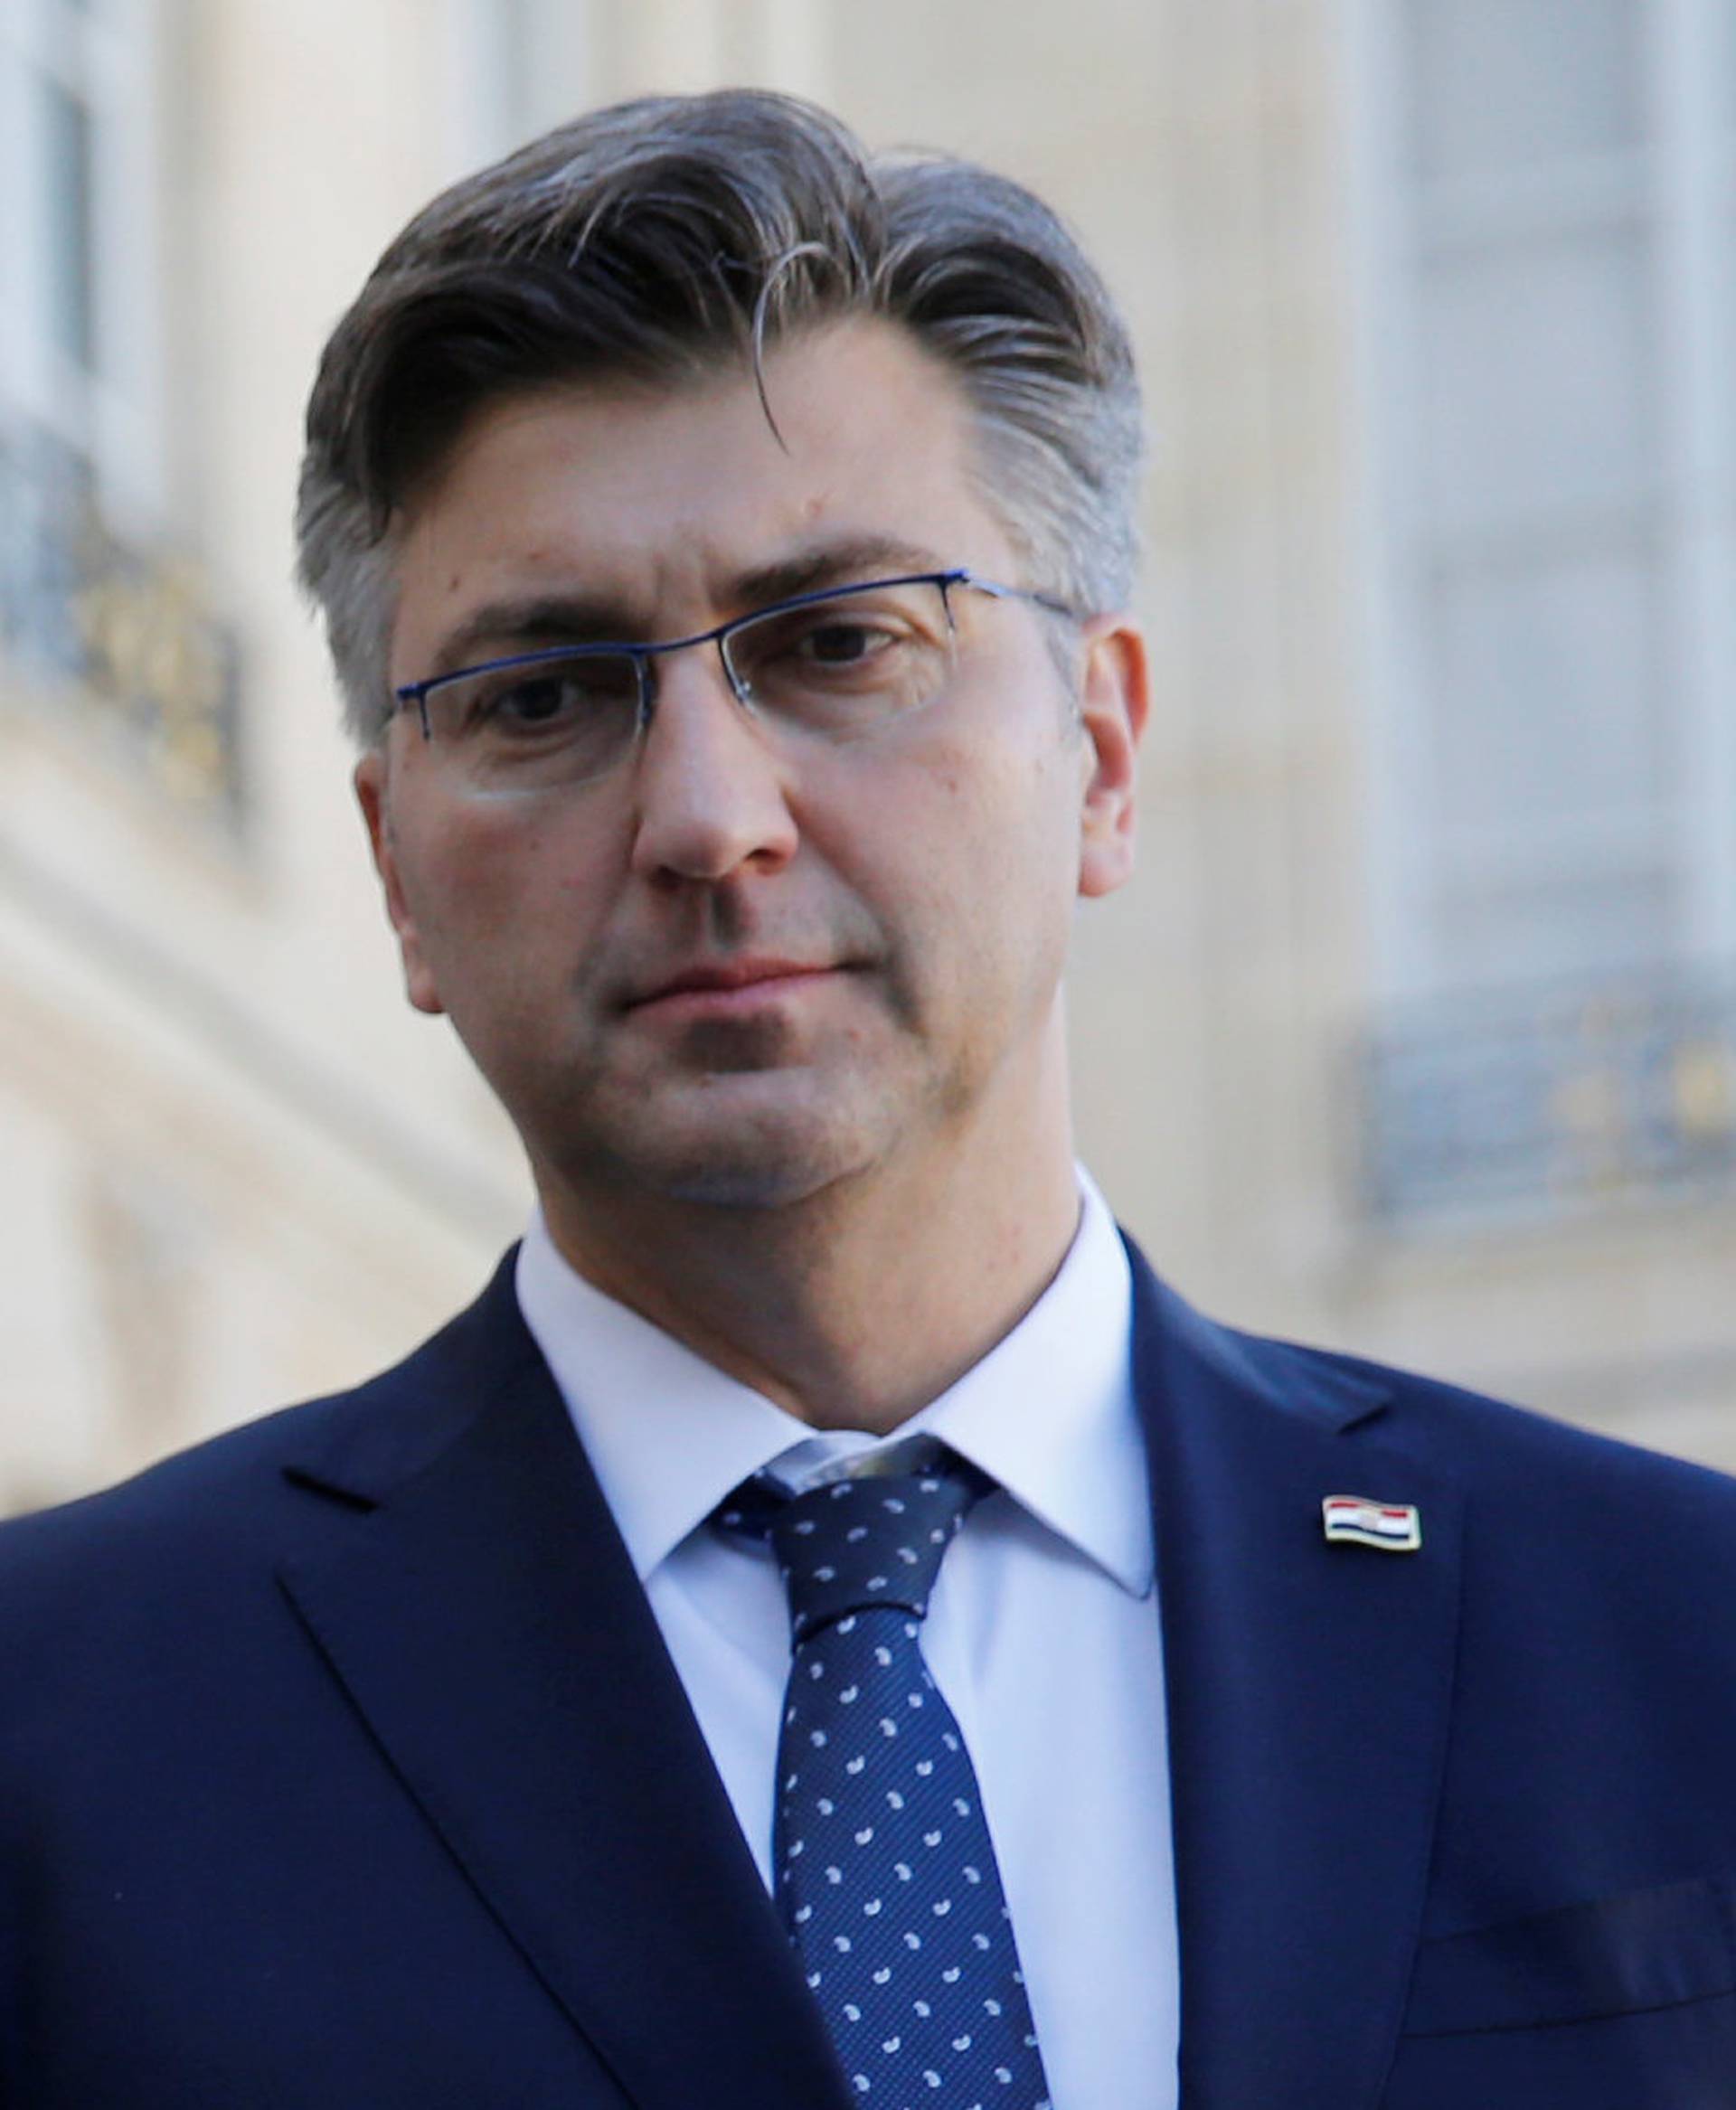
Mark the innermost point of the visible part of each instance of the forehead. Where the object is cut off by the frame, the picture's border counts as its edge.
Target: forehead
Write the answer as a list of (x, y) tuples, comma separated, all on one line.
[(657, 501)]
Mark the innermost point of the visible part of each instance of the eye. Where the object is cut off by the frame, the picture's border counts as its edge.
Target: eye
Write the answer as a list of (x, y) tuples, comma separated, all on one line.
[(820, 648), (843, 642), (526, 703), (848, 662), (533, 700)]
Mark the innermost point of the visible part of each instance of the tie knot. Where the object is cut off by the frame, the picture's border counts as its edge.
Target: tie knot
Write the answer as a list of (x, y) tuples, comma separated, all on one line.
[(861, 1544)]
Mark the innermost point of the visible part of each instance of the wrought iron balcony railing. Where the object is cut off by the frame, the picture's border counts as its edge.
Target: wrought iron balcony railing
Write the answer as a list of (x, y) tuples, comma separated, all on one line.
[(125, 637), (1558, 1099)]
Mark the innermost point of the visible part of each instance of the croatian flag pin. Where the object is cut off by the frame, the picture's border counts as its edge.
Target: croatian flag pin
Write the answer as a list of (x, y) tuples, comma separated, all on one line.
[(1352, 1520)]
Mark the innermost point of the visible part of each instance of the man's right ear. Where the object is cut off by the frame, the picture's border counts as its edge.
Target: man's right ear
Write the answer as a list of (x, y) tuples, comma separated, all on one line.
[(374, 796)]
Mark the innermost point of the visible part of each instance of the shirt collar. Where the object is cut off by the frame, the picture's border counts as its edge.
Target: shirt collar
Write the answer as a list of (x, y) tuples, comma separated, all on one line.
[(1048, 1412)]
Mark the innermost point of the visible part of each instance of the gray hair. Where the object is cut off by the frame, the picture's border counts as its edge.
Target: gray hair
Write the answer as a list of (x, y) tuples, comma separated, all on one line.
[(658, 239)]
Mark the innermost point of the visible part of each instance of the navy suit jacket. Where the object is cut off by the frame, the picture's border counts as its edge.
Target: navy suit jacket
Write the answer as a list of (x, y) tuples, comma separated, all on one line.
[(342, 1763)]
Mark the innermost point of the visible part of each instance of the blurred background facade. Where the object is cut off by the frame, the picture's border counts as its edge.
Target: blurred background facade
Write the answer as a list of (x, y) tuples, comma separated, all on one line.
[(1417, 1034)]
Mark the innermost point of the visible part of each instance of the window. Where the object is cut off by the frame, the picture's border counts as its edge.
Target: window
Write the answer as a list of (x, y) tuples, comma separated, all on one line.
[(79, 344), (97, 605), (1552, 275), (1548, 196)]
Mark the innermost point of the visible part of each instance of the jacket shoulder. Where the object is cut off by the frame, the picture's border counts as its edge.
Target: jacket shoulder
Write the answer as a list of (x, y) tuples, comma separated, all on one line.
[(1541, 1494), (223, 1502), (1505, 1436), (1484, 1443)]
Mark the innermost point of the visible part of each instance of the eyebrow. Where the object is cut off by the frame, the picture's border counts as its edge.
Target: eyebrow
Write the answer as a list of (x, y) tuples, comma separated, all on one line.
[(835, 563), (559, 618)]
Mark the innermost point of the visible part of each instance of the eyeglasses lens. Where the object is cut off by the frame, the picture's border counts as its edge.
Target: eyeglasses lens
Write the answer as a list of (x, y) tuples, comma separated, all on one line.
[(849, 665), (556, 721)]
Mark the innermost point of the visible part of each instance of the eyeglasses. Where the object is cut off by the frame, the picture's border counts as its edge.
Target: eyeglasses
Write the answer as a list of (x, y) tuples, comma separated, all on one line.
[(840, 665)]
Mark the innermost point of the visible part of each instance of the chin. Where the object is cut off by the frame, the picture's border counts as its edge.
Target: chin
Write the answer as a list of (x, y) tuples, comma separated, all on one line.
[(747, 1187), (767, 1163), (725, 1148)]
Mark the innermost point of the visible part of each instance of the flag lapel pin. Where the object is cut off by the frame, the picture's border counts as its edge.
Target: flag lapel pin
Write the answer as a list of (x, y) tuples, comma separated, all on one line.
[(1352, 1520)]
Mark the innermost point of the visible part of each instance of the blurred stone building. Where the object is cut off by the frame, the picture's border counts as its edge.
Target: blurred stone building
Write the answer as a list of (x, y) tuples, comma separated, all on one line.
[(1418, 1034)]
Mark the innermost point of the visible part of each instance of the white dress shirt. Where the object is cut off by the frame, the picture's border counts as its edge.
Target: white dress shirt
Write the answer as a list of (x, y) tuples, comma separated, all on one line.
[(1043, 1631)]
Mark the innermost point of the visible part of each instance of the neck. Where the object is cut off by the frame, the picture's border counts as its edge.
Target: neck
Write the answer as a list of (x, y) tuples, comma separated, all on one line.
[(856, 1306)]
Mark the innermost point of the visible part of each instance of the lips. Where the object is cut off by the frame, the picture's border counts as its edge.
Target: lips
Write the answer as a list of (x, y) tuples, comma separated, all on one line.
[(721, 980)]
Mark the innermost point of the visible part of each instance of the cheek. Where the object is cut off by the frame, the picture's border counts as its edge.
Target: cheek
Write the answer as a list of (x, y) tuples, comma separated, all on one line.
[(981, 857), (1017, 807), (487, 886)]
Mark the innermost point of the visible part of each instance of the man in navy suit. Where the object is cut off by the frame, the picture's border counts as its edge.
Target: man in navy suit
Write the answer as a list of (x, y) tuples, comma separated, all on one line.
[(724, 541)]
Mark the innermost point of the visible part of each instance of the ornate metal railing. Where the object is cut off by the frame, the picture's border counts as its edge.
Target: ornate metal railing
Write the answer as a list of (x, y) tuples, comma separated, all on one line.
[(123, 635), (1561, 1099)]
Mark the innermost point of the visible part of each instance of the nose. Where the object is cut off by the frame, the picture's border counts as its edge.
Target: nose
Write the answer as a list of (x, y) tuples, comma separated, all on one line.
[(711, 789)]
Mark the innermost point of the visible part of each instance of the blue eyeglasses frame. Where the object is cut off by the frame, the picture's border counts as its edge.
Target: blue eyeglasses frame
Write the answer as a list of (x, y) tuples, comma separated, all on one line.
[(642, 654)]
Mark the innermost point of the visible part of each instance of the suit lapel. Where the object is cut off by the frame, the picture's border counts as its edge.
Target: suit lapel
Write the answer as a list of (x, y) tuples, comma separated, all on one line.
[(1308, 1698), (470, 1589), (486, 1620)]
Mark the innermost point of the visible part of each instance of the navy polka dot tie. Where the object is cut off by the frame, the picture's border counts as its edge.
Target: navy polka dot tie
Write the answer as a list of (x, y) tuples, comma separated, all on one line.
[(884, 1868)]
